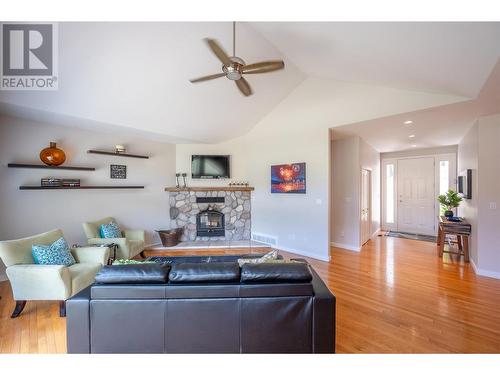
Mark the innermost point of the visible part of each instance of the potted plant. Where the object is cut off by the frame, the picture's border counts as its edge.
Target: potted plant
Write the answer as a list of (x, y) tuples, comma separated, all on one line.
[(449, 201)]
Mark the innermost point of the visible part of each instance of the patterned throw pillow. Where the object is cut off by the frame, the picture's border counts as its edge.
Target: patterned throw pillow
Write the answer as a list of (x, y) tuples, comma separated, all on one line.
[(111, 230), (56, 253), (272, 255)]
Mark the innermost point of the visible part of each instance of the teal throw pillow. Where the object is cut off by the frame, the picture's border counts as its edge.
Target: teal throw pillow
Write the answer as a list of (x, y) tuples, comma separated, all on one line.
[(56, 253), (111, 230)]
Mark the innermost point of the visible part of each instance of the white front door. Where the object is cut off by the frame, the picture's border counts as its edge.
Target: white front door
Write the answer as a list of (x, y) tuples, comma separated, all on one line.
[(416, 195), (365, 206)]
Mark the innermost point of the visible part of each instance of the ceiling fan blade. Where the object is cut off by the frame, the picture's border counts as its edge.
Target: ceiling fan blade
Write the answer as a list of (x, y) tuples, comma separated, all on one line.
[(218, 51), (244, 86), (207, 78), (263, 67)]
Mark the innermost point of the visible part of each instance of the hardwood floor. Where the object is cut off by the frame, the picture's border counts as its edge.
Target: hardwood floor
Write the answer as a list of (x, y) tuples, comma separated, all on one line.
[(395, 296)]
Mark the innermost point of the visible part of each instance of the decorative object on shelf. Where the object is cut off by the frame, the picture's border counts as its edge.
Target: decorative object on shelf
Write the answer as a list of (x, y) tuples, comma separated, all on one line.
[(449, 201), (49, 181), (119, 149), (71, 182), (288, 178), (239, 183), (184, 179), (170, 237), (52, 155), (114, 153), (177, 183), (118, 171)]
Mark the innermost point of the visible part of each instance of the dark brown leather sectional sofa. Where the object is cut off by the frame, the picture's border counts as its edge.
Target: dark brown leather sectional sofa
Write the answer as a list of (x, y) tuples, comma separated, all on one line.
[(214, 307)]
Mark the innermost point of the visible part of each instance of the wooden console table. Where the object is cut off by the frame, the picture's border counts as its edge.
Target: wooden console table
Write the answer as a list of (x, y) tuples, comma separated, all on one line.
[(461, 229)]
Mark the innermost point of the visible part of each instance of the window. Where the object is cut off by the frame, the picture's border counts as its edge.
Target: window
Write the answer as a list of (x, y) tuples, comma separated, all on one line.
[(444, 176), (389, 193)]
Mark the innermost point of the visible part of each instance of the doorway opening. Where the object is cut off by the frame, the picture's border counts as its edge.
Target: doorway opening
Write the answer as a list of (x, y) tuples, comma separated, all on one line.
[(410, 186), (366, 202)]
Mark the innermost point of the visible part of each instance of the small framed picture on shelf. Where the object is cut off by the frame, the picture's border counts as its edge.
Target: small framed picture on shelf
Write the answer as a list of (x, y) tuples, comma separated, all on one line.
[(118, 171)]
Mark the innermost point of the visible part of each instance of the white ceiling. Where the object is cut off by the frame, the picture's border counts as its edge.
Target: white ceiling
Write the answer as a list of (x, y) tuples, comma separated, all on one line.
[(433, 127), (446, 58), (136, 75)]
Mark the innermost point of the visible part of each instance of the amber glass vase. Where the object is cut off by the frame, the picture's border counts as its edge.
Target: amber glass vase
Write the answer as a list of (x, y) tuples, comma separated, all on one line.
[(52, 155)]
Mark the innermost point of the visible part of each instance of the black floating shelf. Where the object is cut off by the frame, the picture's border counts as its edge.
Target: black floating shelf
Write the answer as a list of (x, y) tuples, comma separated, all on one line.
[(117, 154), (78, 187), (43, 166)]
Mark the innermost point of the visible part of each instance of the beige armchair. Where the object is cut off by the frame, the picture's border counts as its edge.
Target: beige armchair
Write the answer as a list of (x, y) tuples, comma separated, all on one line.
[(32, 282), (131, 244)]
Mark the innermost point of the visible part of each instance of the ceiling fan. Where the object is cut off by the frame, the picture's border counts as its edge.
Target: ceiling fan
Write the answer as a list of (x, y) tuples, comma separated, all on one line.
[(234, 67)]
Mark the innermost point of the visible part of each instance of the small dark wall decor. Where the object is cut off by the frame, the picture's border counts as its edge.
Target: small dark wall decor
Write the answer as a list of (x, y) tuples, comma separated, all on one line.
[(465, 183), (288, 178), (118, 171)]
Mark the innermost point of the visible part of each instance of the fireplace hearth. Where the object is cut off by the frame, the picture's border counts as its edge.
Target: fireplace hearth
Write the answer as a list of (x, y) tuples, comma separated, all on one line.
[(210, 223)]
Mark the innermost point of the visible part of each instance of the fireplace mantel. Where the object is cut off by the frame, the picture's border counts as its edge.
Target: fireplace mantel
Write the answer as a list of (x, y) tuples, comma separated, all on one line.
[(212, 188)]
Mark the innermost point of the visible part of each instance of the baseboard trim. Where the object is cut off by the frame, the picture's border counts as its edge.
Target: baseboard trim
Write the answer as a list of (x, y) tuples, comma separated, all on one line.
[(485, 273), (345, 246), (303, 253), (474, 267), (375, 233)]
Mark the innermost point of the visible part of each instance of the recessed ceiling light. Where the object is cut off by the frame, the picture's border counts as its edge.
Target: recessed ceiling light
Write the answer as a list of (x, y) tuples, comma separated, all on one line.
[(411, 136), (408, 122), (413, 145)]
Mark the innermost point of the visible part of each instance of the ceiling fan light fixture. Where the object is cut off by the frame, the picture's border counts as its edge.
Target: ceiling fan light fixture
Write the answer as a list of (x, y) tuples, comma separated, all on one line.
[(233, 71), (233, 67)]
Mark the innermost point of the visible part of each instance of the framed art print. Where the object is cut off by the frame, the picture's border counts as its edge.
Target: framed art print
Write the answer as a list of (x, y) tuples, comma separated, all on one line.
[(288, 178)]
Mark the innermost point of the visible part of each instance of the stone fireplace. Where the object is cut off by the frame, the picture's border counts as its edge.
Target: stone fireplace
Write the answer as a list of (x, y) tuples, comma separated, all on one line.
[(208, 214)]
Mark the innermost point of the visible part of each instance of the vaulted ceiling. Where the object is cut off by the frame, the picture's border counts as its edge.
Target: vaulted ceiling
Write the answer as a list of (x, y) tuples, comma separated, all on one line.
[(439, 57), (136, 75)]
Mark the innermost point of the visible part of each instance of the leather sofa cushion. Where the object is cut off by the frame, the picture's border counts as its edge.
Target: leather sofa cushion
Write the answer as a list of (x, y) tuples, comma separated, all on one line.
[(204, 272), (273, 272), (148, 273)]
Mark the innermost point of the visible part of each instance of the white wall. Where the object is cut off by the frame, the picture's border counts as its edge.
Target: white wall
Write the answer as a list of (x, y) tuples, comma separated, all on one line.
[(370, 159), (297, 130), (467, 157), (24, 213), (349, 156), (489, 193), (346, 193), (479, 151)]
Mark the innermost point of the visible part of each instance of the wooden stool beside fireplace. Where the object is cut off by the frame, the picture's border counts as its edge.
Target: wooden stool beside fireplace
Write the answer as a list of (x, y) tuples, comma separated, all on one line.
[(460, 229)]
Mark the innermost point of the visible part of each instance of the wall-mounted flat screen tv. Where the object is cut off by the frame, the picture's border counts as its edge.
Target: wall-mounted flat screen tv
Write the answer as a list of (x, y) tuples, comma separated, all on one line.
[(210, 166)]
